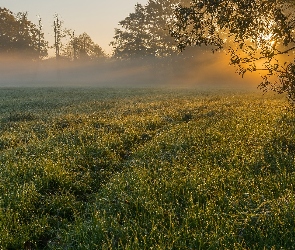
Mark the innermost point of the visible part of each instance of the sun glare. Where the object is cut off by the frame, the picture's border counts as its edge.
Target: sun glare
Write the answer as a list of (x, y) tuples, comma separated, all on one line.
[(267, 40)]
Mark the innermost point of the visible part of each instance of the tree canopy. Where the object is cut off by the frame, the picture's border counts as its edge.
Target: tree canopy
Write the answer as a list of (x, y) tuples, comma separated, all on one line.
[(133, 40), (145, 32), (82, 47), (258, 35), (20, 36)]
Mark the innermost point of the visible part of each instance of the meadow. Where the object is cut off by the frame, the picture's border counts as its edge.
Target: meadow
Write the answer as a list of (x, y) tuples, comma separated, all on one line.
[(143, 168)]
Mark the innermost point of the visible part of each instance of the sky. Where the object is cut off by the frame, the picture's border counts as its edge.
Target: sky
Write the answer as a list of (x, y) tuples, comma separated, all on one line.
[(98, 18)]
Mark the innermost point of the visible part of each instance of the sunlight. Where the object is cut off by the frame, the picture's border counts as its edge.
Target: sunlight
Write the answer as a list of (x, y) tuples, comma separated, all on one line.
[(266, 37), (267, 40)]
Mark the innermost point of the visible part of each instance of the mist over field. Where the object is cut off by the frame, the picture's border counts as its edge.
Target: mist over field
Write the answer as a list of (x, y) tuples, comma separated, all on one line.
[(202, 69)]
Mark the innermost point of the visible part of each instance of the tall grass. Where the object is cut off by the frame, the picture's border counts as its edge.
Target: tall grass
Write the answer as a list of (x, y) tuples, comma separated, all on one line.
[(145, 169)]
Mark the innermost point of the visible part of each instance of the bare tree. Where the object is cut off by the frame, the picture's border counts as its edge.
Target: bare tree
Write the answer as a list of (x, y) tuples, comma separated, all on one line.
[(58, 34)]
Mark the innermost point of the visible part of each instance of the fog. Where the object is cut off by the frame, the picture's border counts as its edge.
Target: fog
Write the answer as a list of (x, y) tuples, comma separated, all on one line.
[(192, 69)]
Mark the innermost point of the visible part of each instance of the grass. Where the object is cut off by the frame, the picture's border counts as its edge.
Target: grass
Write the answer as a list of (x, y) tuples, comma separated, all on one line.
[(145, 169)]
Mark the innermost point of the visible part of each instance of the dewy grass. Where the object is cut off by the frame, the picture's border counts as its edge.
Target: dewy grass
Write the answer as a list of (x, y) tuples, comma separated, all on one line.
[(145, 169)]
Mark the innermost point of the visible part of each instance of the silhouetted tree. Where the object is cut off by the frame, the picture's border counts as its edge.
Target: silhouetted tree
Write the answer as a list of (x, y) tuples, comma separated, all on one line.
[(159, 17), (58, 35), (146, 31), (19, 36), (258, 35), (82, 47), (133, 41)]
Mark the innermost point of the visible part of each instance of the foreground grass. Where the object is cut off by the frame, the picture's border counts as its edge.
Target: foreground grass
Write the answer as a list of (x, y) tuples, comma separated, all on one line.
[(145, 169)]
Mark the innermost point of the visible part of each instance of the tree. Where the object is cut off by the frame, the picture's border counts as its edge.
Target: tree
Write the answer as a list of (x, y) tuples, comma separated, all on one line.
[(133, 40), (145, 33), (82, 47), (258, 35), (58, 35), (19, 36), (40, 37), (160, 15)]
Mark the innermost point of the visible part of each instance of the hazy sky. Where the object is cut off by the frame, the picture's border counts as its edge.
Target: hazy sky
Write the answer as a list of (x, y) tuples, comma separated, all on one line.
[(98, 18)]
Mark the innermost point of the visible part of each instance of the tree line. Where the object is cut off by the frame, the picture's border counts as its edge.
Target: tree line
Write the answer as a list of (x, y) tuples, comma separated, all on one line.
[(22, 38), (144, 33)]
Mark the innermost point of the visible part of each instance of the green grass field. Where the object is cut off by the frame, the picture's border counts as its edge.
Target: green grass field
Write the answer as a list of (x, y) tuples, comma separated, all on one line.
[(145, 169)]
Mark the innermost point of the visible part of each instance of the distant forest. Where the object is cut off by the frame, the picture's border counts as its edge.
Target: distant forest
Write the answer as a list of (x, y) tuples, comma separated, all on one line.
[(144, 33)]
